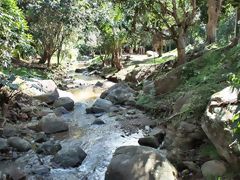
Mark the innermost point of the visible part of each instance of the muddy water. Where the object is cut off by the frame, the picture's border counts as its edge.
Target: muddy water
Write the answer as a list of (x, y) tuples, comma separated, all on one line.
[(98, 141)]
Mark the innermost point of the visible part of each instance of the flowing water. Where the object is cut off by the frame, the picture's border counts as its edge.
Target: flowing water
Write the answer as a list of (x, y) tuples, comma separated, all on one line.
[(98, 141)]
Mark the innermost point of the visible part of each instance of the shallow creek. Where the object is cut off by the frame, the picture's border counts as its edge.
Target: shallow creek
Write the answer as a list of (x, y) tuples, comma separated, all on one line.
[(98, 141)]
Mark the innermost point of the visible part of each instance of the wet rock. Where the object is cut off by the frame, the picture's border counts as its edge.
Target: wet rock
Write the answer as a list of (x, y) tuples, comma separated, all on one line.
[(65, 102), (217, 124), (41, 170), (119, 94), (49, 148), (213, 168), (49, 97), (80, 70), (60, 111), (20, 144), (149, 141), (98, 122), (69, 157), (99, 106), (98, 84), (52, 126), (3, 145), (158, 133), (139, 162)]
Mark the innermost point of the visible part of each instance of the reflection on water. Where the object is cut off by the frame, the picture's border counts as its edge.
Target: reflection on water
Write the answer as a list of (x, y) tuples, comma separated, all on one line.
[(86, 94)]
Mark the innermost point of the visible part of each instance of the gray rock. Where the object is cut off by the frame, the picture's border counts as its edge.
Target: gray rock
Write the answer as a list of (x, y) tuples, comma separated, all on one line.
[(60, 111), (158, 133), (139, 162), (149, 141), (3, 145), (65, 102), (41, 170), (9, 131), (53, 126), (49, 148), (99, 106), (20, 144), (213, 168), (70, 157), (80, 70), (48, 97), (119, 94), (98, 122), (15, 173), (99, 84), (216, 123)]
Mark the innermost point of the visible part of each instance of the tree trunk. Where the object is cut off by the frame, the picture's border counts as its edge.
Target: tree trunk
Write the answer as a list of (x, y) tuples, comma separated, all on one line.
[(181, 44), (59, 50), (160, 49), (116, 59), (45, 57), (214, 9), (237, 23)]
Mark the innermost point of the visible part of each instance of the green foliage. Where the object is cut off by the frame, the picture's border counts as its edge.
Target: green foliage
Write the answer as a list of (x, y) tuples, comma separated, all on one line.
[(13, 27), (52, 23), (210, 151), (7, 81), (236, 125)]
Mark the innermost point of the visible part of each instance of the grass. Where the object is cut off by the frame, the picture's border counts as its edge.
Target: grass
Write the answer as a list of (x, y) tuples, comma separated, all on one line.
[(161, 60), (25, 72), (203, 77)]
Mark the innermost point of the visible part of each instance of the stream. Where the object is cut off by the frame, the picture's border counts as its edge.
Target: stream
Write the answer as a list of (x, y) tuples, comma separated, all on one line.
[(98, 141)]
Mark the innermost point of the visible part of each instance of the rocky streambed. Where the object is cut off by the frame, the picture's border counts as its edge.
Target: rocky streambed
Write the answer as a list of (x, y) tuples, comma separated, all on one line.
[(71, 134)]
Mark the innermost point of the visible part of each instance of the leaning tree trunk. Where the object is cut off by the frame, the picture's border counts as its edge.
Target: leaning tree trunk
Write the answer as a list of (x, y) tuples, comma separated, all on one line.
[(181, 44), (214, 9)]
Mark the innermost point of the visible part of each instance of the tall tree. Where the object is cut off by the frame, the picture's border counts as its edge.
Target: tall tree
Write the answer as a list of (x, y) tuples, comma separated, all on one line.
[(51, 22), (176, 16), (13, 31), (214, 11)]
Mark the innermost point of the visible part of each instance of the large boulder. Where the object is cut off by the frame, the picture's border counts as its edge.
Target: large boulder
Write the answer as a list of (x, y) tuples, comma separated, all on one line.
[(65, 102), (150, 141), (139, 162), (35, 87), (51, 124), (69, 157), (20, 144), (48, 97), (218, 126), (49, 148), (99, 106), (119, 94), (213, 168)]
